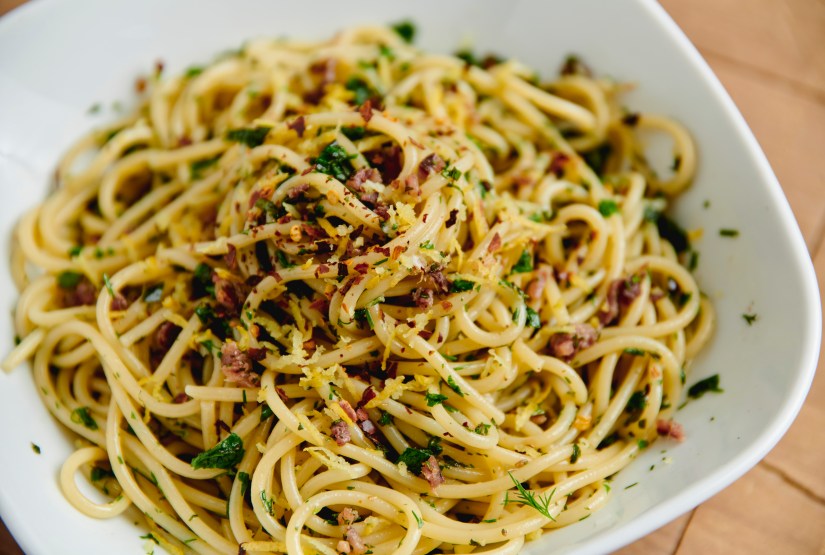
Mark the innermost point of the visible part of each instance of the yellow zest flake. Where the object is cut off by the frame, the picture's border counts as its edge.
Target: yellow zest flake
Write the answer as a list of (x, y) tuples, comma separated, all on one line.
[(266, 547), (327, 227), (307, 264), (457, 247), (695, 234), (582, 422), (406, 214), (328, 458), (318, 377), (315, 435), (394, 387), (340, 413), (332, 197)]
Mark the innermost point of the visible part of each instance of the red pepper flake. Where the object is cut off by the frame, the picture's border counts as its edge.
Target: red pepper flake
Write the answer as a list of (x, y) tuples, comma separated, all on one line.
[(396, 252), (298, 125), (366, 111), (495, 243)]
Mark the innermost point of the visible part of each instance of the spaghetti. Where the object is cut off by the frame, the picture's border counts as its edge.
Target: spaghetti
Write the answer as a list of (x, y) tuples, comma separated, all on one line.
[(349, 297)]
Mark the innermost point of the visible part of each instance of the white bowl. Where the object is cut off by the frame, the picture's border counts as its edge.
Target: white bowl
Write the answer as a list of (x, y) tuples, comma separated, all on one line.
[(57, 58)]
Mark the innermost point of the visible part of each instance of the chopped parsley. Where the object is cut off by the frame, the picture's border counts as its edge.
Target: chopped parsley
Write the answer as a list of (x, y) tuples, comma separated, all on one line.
[(728, 232), (354, 133), (225, 454), (533, 319), (36, 448), (461, 285), (414, 458), (361, 89), (708, 385), (454, 386), (193, 71), (68, 279), (750, 318), (637, 401), (483, 429), (577, 452), (434, 399), (75, 251), (451, 172), (385, 419), (81, 415), (202, 281), (197, 167), (249, 137), (99, 474), (608, 207), (427, 245), (335, 161), (405, 30), (524, 263), (363, 315)]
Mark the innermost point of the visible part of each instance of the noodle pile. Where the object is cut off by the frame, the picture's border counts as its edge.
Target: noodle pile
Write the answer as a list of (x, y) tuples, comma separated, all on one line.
[(349, 297)]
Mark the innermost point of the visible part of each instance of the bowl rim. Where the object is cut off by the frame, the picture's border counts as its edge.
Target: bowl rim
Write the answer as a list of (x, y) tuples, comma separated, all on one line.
[(661, 513)]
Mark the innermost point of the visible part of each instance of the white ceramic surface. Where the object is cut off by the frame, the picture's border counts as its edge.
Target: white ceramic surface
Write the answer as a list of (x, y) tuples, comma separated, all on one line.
[(57, 58)]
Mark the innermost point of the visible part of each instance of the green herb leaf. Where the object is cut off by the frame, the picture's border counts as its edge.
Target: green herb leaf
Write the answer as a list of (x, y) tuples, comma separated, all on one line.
[(461, 285), (225, 454), (483, 429), (405, 29), (454, 386), (354, 133), (361, 89), (266, 412), (750, 318), (608, 207), (385, 418), (81, 415), (108, 285), (75, 251), (525, 497), (244, 479), (708, 385), (434, 399), (637, 401), (577, 452), (335, 161), (533, 319), (68, 279), (193, 71), (98, 474), (197, 167), (434, 445), (524, 263), (249, 137), (729, 232), (414, 458), (418, 520), (451, 172)]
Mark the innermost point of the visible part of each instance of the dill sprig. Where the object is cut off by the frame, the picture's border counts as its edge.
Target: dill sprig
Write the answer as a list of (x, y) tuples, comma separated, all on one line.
[(525, 497)]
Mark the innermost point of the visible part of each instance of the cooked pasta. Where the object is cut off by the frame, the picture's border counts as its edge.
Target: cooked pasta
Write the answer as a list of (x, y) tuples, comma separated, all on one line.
[(351, 297)]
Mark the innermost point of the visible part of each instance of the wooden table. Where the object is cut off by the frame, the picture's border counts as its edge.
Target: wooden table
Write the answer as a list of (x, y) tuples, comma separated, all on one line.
[(770, 55)]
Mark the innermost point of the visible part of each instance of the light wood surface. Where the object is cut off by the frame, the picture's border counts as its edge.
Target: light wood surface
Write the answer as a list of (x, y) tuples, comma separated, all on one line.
[(770, 56)]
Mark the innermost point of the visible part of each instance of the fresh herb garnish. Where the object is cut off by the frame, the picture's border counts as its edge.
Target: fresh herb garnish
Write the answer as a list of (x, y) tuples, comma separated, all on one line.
[(225, 454), (483, 429), (414, 458), (524, 263), (197, 167), (461, 285), (533, 319), (249, 137), (335, 161), (750, 318), (405, 29), (108, 285), (577, 452), (266, 412), (354, 133), (434, 399), (708, 385), (68, 279), (525, 497), (81, 415), (75, 251), (451, 172), (202, 281), (385, 419), (729, 232), (608, 207), (454, 386), (637, 401), (244, 479)]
